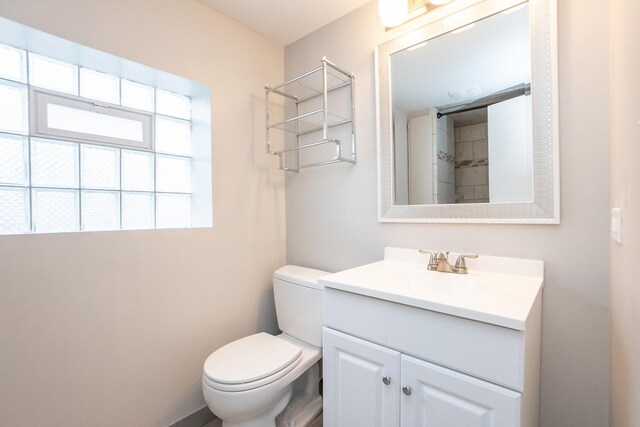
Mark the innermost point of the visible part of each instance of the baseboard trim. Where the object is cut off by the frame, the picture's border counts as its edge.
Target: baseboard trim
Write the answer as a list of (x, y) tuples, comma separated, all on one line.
[(197, 419)]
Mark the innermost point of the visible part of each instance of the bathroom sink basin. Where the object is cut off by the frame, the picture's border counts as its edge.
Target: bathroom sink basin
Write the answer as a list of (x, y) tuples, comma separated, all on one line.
[(496, 290), (420, 279)]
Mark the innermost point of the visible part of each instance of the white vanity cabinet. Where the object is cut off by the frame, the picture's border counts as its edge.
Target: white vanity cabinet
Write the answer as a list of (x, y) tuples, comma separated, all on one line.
[(374, 386), (403, 346), (438, 396), (361, 382)]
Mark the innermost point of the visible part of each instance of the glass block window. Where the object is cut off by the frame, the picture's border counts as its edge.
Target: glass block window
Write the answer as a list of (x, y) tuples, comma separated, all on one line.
[(138, 171), (14, 160), (52, 74), (100, 86), (13, 64), (14, 115), (173, 210), (14, 216), (100, 167), (111, 154), (138, 210), (55, 210), (172, 104), (136, 95), (54, 163), (100, 210), (173, 136)]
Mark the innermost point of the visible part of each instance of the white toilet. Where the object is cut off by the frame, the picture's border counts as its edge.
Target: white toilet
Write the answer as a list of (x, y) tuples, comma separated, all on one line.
[(248, 382)]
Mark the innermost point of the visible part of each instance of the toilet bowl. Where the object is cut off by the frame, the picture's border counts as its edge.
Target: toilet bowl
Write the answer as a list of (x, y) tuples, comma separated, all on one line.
[(248, 382)]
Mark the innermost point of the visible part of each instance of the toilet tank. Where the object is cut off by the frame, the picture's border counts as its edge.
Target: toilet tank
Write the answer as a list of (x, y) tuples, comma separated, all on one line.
[(299, 298)]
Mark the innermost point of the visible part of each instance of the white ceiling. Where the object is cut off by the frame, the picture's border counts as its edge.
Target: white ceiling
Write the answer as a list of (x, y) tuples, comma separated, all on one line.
[(285, 21)]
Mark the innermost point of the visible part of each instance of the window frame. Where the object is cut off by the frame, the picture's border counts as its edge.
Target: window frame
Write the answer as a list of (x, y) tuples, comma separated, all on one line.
[(39, 99)]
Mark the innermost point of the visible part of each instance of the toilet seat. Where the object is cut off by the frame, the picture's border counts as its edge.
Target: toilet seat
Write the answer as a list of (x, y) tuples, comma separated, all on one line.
[(251, 362)]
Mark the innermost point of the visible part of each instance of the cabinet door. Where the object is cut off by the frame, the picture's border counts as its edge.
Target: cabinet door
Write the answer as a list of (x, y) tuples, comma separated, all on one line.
[(355, 389), (440, 397)]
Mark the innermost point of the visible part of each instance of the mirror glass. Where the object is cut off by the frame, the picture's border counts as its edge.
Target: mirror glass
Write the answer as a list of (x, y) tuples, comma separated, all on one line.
[(462, 117), (467, 106)]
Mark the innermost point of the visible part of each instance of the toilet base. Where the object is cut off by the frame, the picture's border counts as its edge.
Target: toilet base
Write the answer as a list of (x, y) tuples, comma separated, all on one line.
[(317, 422), (266, 419), (306, 403)]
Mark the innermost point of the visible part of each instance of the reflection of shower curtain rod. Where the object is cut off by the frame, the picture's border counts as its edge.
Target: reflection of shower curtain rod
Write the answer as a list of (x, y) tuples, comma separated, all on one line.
[(494, 98), (463, 110)]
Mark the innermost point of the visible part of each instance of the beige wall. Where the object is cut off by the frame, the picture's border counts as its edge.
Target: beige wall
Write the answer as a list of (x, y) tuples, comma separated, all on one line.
[(112, 329), (332, 222), (625, 194)]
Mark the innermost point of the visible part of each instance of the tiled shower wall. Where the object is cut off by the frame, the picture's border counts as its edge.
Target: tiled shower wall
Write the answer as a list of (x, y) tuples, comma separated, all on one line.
[(471, 164), (444, 161)]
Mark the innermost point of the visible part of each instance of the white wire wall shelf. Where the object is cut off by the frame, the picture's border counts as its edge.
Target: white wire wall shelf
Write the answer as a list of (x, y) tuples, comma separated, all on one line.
[(308, 121)]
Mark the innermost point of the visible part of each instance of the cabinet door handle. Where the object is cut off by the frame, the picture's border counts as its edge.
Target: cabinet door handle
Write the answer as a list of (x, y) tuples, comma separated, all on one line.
[(386, 380), (406, 390)]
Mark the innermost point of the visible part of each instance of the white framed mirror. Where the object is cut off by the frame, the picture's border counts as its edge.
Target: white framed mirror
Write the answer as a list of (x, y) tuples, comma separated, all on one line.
[(468, 116)]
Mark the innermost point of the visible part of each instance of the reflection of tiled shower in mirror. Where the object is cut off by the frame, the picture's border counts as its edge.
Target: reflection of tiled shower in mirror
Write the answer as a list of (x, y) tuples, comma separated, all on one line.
[(462, 124), (471, 156)]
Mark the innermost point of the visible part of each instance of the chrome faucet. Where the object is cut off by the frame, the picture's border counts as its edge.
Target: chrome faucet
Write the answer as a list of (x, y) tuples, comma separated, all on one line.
[(439, 261)]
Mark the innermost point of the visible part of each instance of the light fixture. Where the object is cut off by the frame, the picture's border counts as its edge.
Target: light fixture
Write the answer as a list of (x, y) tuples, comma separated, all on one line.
[(465, 92), (397, 12), (393, 12)]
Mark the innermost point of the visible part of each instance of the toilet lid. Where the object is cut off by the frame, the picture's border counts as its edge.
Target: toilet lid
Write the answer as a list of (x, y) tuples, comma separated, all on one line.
[(250, 359)]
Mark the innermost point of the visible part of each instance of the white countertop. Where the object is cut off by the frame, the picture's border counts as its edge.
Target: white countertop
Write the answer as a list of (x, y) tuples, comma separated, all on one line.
[(492, 297)]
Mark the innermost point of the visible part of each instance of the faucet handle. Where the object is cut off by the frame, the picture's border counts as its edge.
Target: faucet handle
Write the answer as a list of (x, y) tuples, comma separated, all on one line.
[(432, 261), (442, 256), (461, 265)]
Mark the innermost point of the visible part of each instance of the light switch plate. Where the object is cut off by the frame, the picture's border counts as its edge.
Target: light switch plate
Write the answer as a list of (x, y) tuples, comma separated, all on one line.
[(616, 225)]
